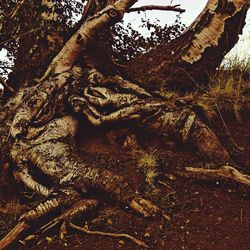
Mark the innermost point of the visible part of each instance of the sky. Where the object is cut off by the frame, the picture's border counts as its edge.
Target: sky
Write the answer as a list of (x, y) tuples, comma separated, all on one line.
[(193, 9)]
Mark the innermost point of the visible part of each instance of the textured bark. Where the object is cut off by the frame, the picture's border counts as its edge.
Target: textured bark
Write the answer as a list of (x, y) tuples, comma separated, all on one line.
[(50, 149), (152, 114), (188, 60), (88, 31)]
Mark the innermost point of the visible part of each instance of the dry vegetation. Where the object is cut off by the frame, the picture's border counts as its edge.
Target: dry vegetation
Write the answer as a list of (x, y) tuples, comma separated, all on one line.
[(229, 89), (149, 166)]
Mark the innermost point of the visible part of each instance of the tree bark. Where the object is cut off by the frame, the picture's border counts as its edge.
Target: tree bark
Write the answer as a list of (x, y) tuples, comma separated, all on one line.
[(78, 43)]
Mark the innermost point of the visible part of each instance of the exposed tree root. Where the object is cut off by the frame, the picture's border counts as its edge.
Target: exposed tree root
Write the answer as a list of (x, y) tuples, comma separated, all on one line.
[(81, 207), (114, 235), (13, 234), (224, 172)]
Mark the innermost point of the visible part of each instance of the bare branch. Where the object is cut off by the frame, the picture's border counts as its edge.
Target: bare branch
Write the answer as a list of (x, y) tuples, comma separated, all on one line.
[(6, 86), (224, 172), (157, 7), (16, 9)]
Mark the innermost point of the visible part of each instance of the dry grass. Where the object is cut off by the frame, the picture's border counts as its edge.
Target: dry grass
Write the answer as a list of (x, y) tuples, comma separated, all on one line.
[(149, 166), (9, 215), (228, 89)]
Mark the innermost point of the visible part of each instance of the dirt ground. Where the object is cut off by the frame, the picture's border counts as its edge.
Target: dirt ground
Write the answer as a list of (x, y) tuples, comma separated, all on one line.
[(197, 214)]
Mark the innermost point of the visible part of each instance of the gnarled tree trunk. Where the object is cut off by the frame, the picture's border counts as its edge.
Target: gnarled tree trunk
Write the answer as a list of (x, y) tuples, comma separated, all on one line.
[(33, 118), (187, 61)]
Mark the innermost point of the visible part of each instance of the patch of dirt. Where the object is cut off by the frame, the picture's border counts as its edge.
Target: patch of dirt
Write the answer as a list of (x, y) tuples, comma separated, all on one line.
[(198, 214)]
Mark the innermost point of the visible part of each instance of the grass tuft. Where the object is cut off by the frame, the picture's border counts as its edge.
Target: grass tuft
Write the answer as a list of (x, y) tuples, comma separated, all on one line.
[(149, 166), (148, 160), (227, 91)]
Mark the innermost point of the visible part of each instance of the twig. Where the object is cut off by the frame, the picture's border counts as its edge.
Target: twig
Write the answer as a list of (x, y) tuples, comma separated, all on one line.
[(14, 12), (241, 214), (241, 149), (224, 172), (2, 81), (20, 35), (129, 237), (168, 186), (157, 7)]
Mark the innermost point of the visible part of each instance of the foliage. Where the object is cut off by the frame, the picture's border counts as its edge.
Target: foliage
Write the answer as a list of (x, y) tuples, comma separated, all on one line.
[(128, 42), (33, 31)]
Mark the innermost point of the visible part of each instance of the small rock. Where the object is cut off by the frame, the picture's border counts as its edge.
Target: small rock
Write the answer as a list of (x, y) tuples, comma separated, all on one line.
[(219, 218), (49, 239), (110, 222), (121, 242), (172, 177)]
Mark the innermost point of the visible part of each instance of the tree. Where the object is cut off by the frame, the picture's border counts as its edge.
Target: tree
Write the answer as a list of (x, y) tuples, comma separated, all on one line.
[(63, 71)]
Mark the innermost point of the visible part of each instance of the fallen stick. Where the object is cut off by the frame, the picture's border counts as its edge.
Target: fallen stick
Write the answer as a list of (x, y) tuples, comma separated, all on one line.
[(224, 172), (114, 235)]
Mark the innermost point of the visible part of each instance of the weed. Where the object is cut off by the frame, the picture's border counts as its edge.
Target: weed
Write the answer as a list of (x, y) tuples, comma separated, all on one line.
[(8, 216), (148, 160), (151, 175), (149, 166)]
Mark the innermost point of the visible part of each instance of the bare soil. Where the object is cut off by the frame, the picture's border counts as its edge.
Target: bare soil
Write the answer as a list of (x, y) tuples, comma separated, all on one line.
[(198, 214)]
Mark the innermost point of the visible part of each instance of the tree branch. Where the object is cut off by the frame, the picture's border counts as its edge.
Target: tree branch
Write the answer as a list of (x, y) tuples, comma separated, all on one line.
[(13, 234), (79, 41), (6, 86), (157, 7)]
